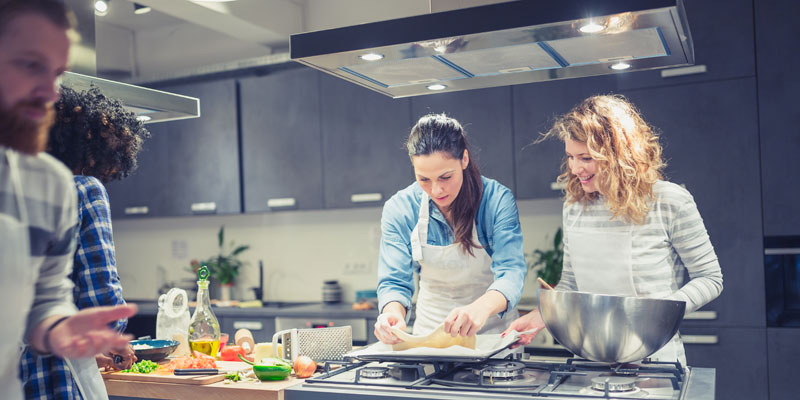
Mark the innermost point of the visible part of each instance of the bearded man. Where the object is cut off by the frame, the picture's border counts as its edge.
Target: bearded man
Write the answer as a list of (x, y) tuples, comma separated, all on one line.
[(38, 203)]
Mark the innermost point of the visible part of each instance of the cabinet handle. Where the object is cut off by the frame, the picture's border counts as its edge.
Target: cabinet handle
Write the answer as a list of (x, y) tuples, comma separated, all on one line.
[(251, 325), (141, 210), (208, 207), (281, 202), (702, 315), (770, 252), (694, 69), (365, 197), (557, 186), (700, 339)]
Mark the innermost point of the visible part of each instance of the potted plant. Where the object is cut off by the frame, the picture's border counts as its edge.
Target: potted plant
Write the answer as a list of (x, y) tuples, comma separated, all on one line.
[(548, 263), (223, 267)]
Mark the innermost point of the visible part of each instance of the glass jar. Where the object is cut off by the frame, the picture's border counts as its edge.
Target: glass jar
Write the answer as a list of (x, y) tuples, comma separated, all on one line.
[(204, 329)]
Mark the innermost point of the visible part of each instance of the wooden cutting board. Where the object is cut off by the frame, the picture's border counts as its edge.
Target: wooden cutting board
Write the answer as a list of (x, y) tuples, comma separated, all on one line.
[(165, 377)]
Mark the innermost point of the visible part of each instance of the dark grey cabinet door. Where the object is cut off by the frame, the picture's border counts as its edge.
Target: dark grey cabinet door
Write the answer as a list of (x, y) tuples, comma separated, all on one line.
[(778, 85), (710, 138), (783, 351), (363, 136), (144, 193), (194, 165), (262, 327), (486, 116), (537, 165), (281, 141), (739, 356), (722, 34)]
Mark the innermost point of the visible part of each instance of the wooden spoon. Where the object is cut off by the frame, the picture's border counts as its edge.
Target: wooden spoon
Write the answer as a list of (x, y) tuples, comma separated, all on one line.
[(545, 284)]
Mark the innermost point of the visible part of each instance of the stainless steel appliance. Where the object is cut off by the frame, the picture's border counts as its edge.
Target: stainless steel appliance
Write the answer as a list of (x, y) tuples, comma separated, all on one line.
[(501, 44), (782, 279), (507, 379)]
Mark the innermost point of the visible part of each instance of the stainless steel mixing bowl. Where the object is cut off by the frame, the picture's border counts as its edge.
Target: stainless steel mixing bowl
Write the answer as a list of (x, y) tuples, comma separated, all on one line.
[(612, 329)]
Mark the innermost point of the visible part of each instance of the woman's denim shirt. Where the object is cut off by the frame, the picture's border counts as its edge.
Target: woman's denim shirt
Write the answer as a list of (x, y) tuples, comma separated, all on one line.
[(499, 233)]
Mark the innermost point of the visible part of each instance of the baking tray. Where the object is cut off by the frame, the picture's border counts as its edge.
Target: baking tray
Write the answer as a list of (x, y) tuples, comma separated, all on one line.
[(486, 346)]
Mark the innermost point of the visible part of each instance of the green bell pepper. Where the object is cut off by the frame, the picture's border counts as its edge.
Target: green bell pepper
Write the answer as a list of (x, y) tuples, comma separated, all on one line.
[(270, 369)]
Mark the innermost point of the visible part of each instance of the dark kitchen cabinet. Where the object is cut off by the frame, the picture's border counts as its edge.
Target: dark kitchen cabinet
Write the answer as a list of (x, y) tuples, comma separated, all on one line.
[(722, 34), (783, 352), (778, 85), (535, 106), (193, 165), (262, 327), (709, 133), (739, 356), (281, 141), (363, 136), (486, 116)]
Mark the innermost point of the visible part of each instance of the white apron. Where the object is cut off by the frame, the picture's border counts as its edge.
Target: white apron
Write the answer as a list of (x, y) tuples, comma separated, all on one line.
[(602, 263), (16, 285), (450, 278)]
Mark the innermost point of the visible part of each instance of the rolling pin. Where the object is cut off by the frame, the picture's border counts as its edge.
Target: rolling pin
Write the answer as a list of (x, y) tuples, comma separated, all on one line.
[(243, 337)]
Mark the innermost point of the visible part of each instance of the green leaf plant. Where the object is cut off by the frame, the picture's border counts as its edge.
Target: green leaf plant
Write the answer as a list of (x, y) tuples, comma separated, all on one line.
[(548, 263), (224, 266)]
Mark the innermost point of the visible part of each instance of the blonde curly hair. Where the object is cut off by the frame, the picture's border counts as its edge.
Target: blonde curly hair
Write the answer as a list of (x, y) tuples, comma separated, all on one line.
[(625, 148)]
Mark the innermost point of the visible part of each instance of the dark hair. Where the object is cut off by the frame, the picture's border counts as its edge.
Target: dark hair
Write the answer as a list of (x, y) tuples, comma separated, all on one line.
[(440, 133), (95, 136), (53, 10)]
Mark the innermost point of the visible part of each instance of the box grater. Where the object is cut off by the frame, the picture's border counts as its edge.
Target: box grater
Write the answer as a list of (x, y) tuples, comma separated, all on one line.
[(321, 344)]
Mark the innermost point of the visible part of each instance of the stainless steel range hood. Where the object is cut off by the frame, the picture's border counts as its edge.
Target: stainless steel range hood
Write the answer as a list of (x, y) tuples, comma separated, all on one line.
[(502, 44), (149, 105)]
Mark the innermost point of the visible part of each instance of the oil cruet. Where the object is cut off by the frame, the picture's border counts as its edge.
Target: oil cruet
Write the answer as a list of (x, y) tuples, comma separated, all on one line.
[(204, 328)]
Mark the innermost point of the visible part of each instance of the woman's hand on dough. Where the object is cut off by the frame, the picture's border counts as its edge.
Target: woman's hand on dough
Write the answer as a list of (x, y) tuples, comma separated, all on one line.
[(391, 317)]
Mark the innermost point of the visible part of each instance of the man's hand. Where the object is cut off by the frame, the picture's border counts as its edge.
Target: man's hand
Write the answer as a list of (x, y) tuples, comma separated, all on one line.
[(84, 334)]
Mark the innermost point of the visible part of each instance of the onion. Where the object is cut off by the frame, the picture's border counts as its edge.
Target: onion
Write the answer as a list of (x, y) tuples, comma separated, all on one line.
[(304, 366)]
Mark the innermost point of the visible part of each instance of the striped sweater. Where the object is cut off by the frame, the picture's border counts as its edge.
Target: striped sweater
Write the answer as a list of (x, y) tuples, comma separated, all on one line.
[(672, 238)]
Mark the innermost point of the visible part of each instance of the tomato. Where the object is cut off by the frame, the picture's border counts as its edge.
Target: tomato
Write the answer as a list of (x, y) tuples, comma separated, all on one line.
[(231, 353)]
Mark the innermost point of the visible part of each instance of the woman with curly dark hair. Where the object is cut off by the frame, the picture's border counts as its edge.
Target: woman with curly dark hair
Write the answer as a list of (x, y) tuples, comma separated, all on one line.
[(98, 140)]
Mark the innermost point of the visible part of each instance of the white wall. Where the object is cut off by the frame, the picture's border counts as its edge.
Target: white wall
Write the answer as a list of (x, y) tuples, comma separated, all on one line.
[(300, 249)]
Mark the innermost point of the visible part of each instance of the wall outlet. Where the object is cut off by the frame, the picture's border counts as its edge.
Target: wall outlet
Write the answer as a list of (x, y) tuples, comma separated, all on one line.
[(356, 268)]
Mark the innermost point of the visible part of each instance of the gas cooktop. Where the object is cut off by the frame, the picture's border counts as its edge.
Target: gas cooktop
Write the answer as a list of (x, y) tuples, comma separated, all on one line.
[(507, 379)]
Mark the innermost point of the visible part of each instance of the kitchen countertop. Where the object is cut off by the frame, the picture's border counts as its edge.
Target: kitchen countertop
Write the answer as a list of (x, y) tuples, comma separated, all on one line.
[(314, 310)]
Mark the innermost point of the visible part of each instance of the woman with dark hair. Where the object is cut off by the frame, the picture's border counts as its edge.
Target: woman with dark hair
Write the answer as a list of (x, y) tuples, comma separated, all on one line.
[(628, 232), (460, 231), (98, 140)]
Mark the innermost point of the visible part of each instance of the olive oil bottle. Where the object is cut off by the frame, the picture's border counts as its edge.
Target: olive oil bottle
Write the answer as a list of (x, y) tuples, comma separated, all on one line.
[(204, 328)]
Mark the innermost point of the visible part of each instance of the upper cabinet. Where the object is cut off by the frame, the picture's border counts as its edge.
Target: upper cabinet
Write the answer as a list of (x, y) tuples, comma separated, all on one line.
[(486, 117), (535, 106), (779, 115), (188, 166), (281, 141), (363, 151), (722, 34)]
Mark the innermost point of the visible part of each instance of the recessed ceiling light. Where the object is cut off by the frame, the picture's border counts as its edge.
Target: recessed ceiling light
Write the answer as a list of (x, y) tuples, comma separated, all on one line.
[(140, 9), (211, 1), (144, 118), (591, 27), (371, 57), (436, 86), (620, 66), (101, 7)]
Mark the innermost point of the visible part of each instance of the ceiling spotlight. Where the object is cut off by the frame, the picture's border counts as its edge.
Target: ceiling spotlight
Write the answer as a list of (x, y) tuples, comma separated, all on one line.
[(591, 27), (140, 9), (620, 66), (144, 118), (371, 56), (436, 86), (101, 7)]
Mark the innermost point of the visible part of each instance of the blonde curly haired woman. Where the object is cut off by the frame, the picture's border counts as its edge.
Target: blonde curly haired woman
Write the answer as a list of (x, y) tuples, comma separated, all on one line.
[(628, 231)]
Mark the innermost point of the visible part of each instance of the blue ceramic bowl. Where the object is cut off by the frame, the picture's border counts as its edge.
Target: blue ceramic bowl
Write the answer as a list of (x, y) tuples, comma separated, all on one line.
[(153, 350)]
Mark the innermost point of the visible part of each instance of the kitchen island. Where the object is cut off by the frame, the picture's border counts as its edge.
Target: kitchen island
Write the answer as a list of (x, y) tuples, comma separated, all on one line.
[(129, 390)]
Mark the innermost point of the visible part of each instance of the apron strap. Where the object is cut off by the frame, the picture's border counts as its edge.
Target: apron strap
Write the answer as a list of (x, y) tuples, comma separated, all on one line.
[(420, 234)]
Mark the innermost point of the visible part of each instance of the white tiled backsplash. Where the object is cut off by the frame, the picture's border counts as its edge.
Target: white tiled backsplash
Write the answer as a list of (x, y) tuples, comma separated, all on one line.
[(300, 249)]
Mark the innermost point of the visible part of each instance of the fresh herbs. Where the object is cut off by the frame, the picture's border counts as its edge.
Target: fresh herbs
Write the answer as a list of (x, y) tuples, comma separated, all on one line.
[(142, 367)]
